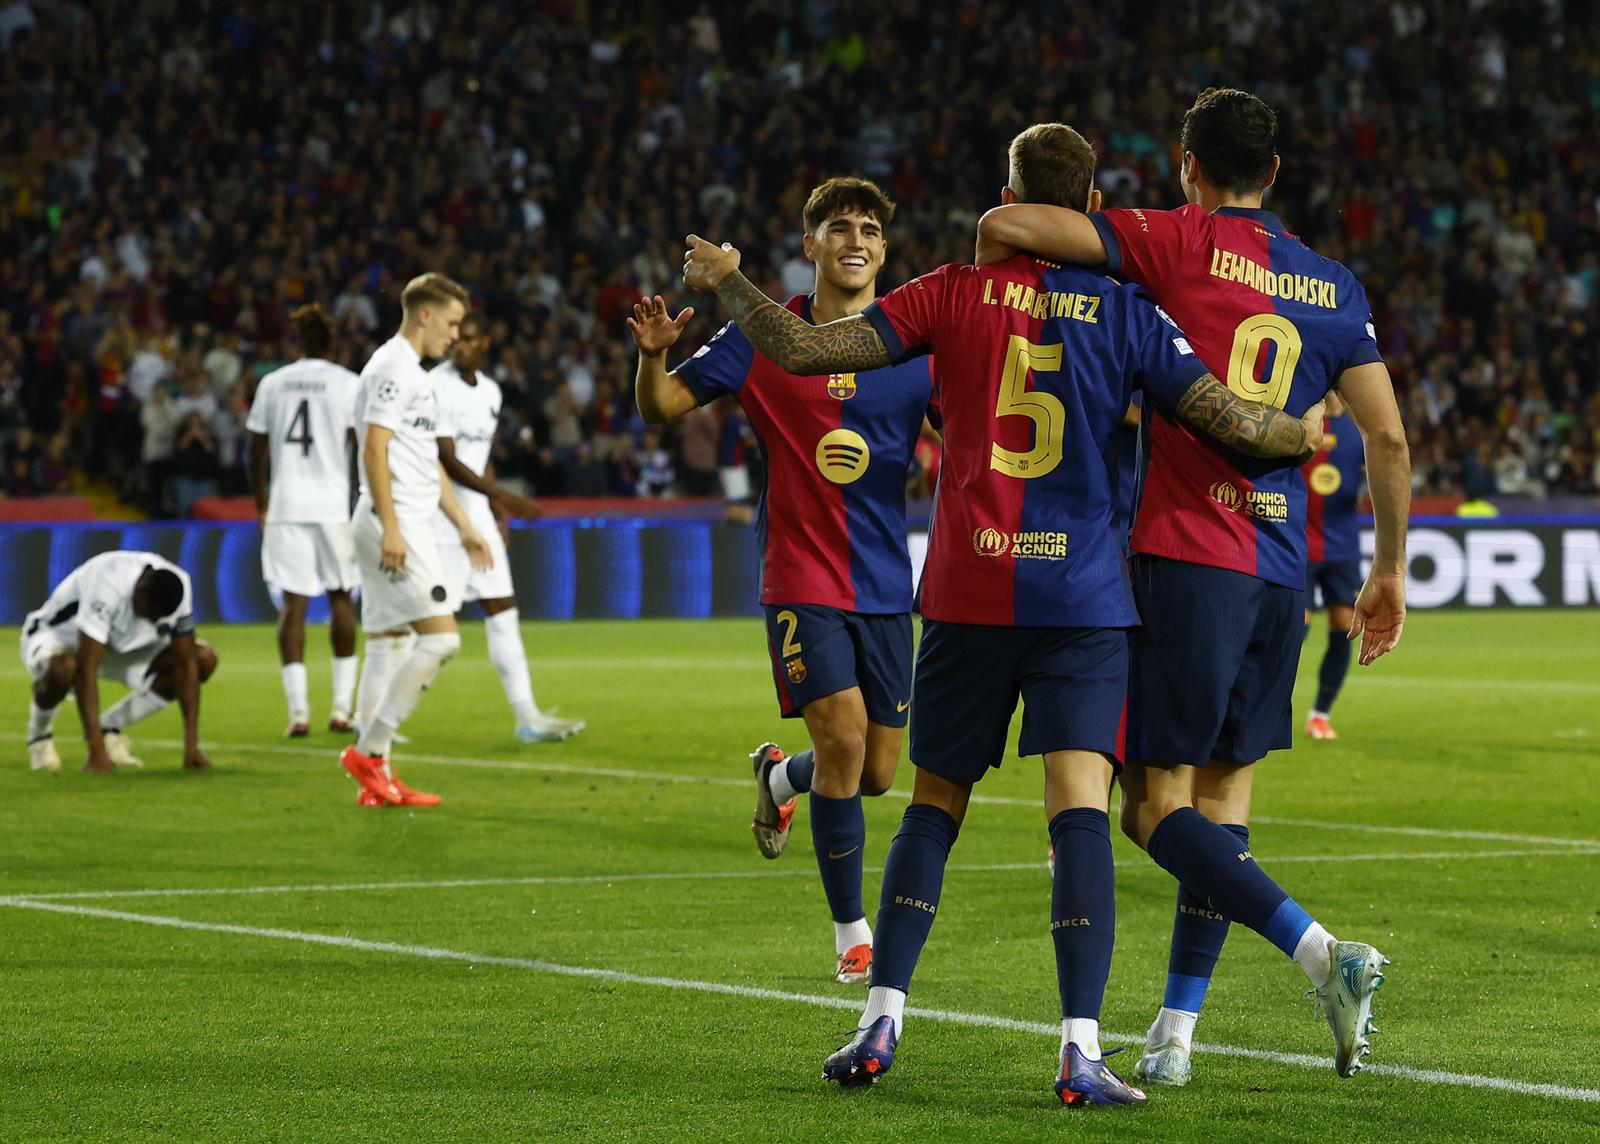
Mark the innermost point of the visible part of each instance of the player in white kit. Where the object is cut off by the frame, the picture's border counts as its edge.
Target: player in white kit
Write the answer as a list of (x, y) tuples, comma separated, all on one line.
[(125, 616), (403, 584), (468, 401), (303, 415)]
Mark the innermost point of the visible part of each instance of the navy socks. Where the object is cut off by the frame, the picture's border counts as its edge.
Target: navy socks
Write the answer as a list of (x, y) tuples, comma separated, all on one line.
[(1198, 932), (1335, 666), (913, 877), (839, 834), (1083, 909), (1211, 864)]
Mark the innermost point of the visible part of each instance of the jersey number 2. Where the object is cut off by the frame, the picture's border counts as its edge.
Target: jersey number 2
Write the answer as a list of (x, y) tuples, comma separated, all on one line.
[(1253, 333), (1045, 410), (301, 425)]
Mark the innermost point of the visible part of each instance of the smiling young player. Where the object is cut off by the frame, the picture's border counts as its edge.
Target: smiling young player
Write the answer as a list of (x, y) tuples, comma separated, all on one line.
[(835, 575)]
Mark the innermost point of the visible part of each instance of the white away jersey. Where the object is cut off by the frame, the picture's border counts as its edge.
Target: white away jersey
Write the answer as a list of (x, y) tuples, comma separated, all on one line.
[(468, 415), (306, 411), (97, 601), (396, 394)]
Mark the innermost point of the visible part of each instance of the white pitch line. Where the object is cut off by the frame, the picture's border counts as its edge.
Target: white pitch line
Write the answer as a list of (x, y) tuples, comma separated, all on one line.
[(719, 875), (900, 795), (978, 1020), (1426, 831)]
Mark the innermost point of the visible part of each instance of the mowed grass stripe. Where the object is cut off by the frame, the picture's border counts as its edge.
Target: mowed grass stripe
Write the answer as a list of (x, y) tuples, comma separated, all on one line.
[(980, 1020), (667, 776), (715, 875)]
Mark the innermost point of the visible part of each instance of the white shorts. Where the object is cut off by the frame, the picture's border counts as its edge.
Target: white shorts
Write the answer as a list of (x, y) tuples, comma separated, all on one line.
[(125, 667), (392, 600), (308, 559), (466, 582)]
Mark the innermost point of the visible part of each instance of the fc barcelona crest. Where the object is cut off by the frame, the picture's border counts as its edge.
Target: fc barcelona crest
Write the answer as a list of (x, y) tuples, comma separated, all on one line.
[(796, 670), (841, 386)]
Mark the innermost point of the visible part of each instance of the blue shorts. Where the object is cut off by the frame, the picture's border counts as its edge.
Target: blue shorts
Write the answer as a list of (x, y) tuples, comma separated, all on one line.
[(1340, 581), (1213, 665), (819, 651), (1073, 683)]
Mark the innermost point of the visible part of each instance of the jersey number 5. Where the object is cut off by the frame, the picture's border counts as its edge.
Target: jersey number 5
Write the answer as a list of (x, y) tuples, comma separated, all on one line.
[(301, 424), (1253, 333), (1045, 410)]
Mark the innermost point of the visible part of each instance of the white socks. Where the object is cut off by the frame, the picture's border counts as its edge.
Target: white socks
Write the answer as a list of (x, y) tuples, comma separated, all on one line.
[(848, 934), (884, 1002), (1083, 1032), (778, 784), (1172, 1025), (41, 723), (1314, 954), (411, 677), (344, 682), (510, 660), (131, 708), (383, 654), (294, 690)]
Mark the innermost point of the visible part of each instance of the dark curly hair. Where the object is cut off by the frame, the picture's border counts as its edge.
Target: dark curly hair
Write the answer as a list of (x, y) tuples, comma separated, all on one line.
[(1235, 137)]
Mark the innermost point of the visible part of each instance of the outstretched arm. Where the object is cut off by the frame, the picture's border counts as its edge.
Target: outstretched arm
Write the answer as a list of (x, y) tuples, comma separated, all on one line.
[(660, 396), (1250, 427), (1058, 233), (849, 344)]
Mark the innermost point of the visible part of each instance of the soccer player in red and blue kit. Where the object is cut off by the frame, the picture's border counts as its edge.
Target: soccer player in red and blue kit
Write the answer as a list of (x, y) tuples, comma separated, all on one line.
[(1024, 593), (1219, 560), (1333, 552), (835, 576)]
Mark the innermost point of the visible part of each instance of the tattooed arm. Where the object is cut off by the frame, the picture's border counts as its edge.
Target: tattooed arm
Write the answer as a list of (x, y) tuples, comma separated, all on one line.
[(1248, 426), (849, 344)]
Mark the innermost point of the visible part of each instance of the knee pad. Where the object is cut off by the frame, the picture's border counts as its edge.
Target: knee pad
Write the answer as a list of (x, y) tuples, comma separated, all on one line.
[(440, 645)]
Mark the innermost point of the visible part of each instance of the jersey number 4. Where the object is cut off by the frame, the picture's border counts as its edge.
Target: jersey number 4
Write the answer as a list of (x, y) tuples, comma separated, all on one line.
[(1045, 410), (301, 424)]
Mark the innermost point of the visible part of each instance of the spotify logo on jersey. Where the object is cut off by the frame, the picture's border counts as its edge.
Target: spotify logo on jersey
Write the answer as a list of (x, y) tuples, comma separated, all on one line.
[(842, 456)]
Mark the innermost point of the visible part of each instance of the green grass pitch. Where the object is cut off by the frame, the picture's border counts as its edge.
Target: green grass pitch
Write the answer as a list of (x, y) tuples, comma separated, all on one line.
[(572, 985)]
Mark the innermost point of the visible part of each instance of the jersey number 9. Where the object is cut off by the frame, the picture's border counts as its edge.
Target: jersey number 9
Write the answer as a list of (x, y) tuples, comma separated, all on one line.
[(1253, 333)]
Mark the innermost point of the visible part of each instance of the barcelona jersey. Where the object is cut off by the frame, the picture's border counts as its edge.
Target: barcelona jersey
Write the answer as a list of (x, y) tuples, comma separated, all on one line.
[(1034, 367), (832, 518), (1278, 323), (1333, 486)]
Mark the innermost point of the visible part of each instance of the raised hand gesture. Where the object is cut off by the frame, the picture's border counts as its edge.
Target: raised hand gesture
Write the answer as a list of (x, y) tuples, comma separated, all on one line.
[(653, 329)]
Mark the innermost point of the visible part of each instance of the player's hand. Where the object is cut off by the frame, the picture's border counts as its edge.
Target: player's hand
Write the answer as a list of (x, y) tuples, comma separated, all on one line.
[(392, 551), (504, 526), (261, 519), (653, 328), (478, 553), (705, 265), (194, 759), (98, 762), (522, 508), (1380, 615), (1312, 420)]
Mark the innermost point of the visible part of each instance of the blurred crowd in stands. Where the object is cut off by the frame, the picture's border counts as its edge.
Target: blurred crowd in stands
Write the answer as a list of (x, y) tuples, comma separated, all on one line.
[(176, 175)]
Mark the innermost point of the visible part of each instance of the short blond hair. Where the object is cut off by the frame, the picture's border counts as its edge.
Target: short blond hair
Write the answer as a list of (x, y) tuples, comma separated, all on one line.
[(432, 289), (1052, 164)]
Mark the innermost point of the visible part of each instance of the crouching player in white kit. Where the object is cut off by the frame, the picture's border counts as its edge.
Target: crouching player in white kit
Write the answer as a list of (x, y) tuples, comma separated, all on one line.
[(126, 616), (304, 415), (468, 401), (403, 586)]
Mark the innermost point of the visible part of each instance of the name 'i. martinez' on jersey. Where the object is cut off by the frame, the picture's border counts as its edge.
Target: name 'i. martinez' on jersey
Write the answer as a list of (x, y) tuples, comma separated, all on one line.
[(1278, 323), (1036, 366), (832, 517)]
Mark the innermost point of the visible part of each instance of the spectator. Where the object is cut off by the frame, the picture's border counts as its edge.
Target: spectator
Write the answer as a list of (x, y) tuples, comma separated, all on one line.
[(655, 473), (194, 463), (697, 437)]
